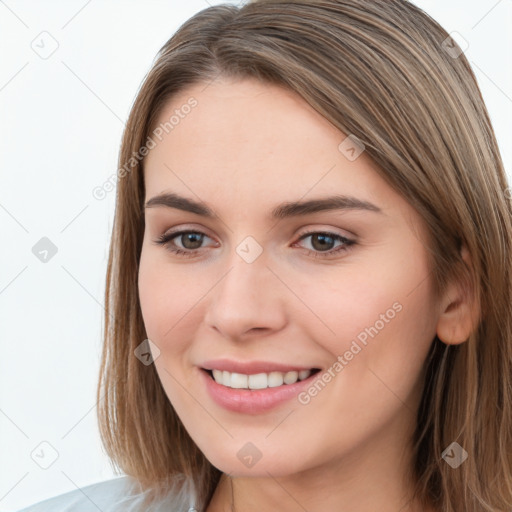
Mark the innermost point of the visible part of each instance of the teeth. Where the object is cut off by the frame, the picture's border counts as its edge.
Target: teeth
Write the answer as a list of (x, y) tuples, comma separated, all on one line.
[(258, 380), (304, 374), (238, 380), (275, 379)]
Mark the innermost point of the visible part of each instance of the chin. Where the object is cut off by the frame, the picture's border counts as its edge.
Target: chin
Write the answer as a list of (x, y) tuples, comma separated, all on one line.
[(248, 461)]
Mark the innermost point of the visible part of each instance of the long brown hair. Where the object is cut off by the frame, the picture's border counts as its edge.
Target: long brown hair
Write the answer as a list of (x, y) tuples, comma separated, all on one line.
[(387, 73)]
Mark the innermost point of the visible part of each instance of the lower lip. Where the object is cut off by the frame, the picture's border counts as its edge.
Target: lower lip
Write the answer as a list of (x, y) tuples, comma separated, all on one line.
[(253, 401)]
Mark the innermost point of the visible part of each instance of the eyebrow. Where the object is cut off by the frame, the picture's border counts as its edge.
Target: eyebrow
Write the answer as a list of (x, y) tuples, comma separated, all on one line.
[(284, 210)]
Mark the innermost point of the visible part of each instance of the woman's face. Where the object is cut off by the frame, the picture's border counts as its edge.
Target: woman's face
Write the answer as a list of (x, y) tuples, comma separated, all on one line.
[(274, 279)]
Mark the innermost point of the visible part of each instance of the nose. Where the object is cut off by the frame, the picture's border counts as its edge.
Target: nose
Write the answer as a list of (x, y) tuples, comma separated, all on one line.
[(248, 299)]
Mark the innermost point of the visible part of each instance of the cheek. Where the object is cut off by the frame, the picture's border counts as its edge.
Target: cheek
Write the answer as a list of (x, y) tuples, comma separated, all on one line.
[(167, 305), (160, 299), (170, 298), (380, 317)]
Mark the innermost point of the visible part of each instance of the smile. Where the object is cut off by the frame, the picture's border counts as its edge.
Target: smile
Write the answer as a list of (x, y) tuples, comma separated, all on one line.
[(259, 380), (268, 391)]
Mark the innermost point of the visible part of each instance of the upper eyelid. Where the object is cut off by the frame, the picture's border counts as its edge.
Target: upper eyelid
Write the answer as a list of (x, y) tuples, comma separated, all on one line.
[(156, 216), (204, 230), (182, 230)]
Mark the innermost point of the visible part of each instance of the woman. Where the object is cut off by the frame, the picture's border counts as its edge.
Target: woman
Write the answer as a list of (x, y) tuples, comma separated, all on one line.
[(308, 302)]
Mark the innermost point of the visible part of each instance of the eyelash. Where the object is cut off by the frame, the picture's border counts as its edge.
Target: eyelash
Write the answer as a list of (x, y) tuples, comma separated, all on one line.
[(165, 240)]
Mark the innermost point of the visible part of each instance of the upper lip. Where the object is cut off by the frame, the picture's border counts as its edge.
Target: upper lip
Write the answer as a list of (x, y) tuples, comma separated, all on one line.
[(251, 367)]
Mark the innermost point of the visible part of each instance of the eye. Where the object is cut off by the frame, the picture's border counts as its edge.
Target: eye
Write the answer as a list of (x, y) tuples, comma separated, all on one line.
[(321, 241), (191, 242)]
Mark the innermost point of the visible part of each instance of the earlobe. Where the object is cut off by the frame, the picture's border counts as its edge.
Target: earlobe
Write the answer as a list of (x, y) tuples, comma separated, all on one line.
[(459, 313)]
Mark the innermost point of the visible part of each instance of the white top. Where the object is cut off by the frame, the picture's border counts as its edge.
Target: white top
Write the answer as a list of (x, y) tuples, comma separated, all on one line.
[(123, 494)]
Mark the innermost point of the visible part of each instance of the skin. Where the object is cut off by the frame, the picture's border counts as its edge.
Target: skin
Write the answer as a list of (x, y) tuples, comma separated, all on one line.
[(245, 148)]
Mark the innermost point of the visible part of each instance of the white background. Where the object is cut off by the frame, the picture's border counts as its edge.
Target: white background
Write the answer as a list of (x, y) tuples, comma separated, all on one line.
[(61, 121)]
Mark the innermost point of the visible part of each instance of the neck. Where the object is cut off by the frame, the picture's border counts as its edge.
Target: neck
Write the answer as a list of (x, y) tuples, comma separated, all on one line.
[(358, 484)]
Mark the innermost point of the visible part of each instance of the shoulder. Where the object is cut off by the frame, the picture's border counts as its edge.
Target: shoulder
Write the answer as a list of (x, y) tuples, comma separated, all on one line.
[(101, 495), (119, 494)]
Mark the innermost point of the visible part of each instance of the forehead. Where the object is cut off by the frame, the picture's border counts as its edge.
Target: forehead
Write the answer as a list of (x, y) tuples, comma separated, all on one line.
[(246, 141), (246, 119)]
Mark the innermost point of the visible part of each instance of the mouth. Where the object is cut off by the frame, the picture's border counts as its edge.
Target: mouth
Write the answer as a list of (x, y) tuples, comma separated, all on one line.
[(255, 393), (258, 381)]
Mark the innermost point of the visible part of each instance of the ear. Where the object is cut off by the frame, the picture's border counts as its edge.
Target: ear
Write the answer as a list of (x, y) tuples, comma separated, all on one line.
[(459, 312)]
